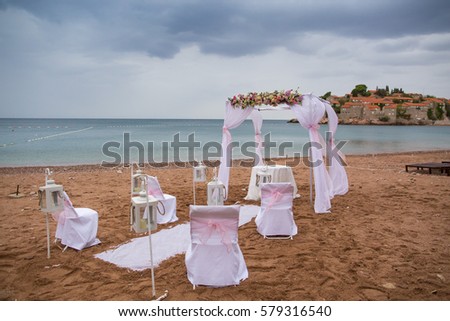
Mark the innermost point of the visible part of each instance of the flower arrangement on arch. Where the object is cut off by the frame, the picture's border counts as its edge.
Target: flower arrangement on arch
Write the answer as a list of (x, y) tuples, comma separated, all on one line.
[(252, 99)]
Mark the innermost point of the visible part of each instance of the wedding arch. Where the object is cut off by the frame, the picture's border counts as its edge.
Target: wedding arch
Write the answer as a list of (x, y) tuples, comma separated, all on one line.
[(309, 111)]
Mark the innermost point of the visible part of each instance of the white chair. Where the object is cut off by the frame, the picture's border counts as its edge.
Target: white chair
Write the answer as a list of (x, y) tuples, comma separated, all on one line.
[(214, 257), (275, 219), (167, 206), (76, 227)]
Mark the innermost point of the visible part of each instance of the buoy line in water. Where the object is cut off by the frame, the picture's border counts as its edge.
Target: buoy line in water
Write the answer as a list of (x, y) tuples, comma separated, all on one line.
[(60, 134)]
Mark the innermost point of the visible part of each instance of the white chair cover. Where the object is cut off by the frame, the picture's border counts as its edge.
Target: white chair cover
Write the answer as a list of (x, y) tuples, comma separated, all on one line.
[(168, 204), (77, 227), (275, 217), (214, 257)]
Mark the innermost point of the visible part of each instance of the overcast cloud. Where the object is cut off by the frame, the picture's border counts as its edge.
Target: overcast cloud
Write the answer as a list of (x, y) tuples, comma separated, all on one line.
[(182, 59)]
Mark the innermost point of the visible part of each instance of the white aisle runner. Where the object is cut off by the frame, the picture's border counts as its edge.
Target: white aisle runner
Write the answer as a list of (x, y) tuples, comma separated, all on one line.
[(166, 243)]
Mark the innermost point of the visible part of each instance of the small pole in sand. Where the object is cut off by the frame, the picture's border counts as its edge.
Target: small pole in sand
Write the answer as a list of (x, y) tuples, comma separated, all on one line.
[(193, 187), (150, 210), (199, 175), (16, 194), (151, 251), (149, 228), (48, 235)]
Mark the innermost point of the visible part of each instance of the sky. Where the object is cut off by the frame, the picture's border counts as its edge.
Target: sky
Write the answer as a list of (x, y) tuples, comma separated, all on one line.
[(183, 59)]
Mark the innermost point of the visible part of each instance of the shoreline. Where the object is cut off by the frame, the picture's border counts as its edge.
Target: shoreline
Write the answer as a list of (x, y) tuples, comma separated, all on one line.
[(363, 122), (182, 165)]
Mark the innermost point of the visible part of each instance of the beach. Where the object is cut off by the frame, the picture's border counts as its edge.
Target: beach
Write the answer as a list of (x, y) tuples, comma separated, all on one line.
[(388, 238)]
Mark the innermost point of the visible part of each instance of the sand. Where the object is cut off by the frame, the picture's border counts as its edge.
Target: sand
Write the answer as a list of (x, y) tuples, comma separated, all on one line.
[(387, 239)]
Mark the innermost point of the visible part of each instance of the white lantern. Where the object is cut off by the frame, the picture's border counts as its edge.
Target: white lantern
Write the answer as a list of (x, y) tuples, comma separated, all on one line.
[(49, 200), (216, 192), (142, 206), (200, 173), (136, 182), (263, 176)]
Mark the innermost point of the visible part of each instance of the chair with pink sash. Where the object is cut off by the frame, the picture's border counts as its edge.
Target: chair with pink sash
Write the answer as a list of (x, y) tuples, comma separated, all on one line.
[(214, 257), (167, 206), (275, 218), (76, 227)]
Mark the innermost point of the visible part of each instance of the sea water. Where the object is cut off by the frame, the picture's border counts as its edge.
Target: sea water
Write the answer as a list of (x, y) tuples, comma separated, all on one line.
[(51, 142)]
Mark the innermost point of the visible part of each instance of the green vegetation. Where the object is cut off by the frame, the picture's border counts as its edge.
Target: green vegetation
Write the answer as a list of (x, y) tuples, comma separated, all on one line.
[(397, 91), (412, 107), (401, 113), (343, 100), (360, 90), (437, 113), (381, 92), (326, 95), (430, 114)]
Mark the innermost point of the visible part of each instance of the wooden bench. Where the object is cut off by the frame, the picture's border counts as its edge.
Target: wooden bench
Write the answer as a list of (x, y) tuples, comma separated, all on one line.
[(443, 167)]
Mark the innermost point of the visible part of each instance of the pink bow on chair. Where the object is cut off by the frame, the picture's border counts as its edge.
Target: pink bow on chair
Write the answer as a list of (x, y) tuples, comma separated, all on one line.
[(275, 198), (205, 230), (153, 191)]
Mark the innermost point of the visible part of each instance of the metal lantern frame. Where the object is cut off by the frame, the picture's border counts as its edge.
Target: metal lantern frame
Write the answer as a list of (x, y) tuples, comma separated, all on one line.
[(263, 176), (139, 206), (49, 201), (199, 173), (215, 187), (151, 207), (135, 180)]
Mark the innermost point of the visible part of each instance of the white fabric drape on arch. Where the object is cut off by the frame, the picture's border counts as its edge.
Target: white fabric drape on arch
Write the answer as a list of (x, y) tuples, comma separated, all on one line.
[(257, 120), (336, 169), (233, 118), (326, 184)]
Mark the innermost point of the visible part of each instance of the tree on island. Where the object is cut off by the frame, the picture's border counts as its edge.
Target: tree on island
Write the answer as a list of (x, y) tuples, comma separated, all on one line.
[(326, 95), (381, 92), (360, 90)]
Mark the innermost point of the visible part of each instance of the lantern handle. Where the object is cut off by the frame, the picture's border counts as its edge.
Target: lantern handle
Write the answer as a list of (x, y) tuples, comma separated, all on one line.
[(164, 208), (132, 168), (215, 174), (48, 172), (223, 193)]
